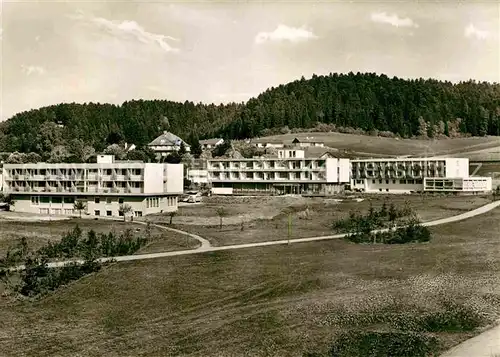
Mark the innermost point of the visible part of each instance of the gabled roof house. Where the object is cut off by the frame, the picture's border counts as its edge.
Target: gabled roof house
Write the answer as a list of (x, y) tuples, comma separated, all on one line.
[(211, 143), (167, 143)]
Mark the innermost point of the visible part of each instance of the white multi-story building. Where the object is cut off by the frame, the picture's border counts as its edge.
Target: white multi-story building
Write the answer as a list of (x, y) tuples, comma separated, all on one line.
[(405, 175), (103, 186), (289, 173)]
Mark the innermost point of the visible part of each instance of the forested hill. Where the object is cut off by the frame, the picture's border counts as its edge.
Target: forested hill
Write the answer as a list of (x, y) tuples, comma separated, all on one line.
[(365, 101)]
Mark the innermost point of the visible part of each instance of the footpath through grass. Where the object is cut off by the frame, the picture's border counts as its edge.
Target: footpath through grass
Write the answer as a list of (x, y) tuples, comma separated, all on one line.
[(273, 301), (315, 217)]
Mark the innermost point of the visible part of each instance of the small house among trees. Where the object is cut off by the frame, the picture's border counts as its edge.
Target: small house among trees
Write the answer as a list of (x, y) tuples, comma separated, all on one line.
[(307, 142), (209, 144), (168, 143)]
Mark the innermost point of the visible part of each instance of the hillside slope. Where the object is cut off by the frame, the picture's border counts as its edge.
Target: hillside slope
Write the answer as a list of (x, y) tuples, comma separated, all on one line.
[(365, 101)]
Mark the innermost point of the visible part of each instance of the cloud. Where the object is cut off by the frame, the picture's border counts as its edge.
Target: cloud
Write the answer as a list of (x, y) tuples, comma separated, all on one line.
[(29, 70), (285, 33), (392, 19), (472, 31), (130, 30)]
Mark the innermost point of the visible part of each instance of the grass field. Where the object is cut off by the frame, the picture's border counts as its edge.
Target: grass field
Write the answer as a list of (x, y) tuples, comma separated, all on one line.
[(392, 146), (38, 233), (270, 224), (273, 301)]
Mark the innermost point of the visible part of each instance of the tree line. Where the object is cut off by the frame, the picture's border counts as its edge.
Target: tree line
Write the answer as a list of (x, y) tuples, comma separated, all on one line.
[(366, 101)]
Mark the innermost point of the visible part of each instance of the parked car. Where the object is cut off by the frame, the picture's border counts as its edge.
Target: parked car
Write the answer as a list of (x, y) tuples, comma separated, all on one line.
[(192, 197)]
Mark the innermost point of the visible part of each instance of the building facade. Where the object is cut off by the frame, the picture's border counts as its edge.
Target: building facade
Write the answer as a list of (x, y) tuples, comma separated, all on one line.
[(103, 187), (289, 173), (167, 143), (406, 175), (209, 144)]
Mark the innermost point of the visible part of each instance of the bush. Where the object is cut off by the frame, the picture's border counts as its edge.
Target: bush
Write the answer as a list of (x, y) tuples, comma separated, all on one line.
[(37, 278), (74, 244), (454, 318), (383, 344)]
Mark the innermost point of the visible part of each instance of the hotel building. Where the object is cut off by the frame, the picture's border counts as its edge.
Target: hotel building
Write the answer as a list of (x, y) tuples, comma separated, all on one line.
[(288, 173), (103, 186), (406, 175)]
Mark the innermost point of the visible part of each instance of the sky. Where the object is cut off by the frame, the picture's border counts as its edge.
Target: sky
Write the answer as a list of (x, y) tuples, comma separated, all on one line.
[(221, 51)]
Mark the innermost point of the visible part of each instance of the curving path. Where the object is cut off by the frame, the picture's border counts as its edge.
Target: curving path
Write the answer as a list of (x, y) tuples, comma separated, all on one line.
[(204, 242), (206, 247), (487, 344)]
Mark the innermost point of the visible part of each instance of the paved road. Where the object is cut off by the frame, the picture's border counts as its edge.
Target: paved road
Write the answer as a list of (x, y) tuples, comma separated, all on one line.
[(206, 247), (486, 344)]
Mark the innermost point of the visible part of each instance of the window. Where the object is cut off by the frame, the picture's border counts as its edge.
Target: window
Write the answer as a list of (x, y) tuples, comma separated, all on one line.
[(35, 200), (97, 212), (69, 200), (109, 213), (69, 212), (56, 199), (44, 211), (379, 181), (120, 200), (97, 200), (120, 213), (138, 213), (108, 200), (393, 181), (56, 211), (387, 181), (373, 181)]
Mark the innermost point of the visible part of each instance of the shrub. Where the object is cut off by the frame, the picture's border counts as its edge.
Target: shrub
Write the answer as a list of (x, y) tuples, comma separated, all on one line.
[(37, 278), (455, 317), (74, 244), (383, 344)]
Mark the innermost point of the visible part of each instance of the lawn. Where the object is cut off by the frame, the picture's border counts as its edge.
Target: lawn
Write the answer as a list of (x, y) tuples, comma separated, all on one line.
[(38, 233), (391, 146), (272, 301), (270, 224)]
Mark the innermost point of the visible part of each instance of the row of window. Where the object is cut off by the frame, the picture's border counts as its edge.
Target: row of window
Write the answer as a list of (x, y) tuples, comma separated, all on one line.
[(57, 211), (36, 200), (64, 172), (109, 213), (387, 182), (403, 182), (152, 202), (109, 200)]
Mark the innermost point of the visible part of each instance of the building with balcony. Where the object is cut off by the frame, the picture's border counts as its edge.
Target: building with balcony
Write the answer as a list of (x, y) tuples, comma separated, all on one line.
[(167, 143), (406, 175), (291, 172), (103, 186)]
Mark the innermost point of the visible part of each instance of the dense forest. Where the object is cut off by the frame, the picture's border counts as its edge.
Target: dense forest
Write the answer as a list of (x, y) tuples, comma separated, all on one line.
[(365, 101)]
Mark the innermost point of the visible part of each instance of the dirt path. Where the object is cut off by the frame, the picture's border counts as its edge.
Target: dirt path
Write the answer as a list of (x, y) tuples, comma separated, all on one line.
[(205, 245)]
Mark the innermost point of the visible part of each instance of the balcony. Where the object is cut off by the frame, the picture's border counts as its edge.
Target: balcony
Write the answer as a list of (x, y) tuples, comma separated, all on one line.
[(136, 177)]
